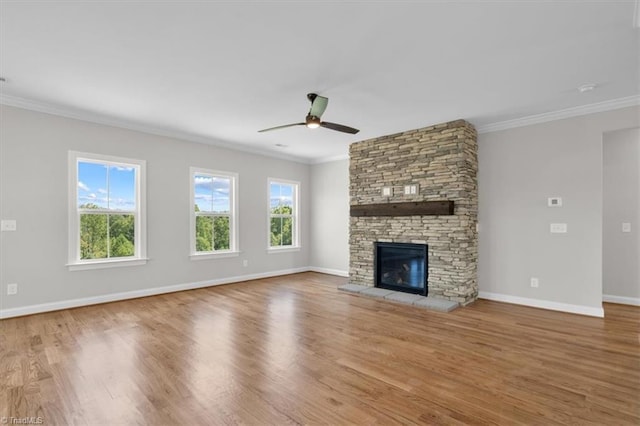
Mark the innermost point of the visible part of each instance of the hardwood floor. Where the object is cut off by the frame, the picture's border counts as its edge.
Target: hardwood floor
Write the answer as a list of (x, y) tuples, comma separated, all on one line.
[(294, 350)]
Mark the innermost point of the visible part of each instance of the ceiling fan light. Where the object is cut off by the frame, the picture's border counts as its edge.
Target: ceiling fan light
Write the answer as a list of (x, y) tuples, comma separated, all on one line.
[(312, 122)]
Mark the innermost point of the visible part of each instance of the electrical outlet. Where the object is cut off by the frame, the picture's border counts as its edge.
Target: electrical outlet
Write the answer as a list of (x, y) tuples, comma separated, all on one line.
[(534, 282), (558, 228), (8, 225), (626, 227), (12, 289), (410, 189), (245, 263)]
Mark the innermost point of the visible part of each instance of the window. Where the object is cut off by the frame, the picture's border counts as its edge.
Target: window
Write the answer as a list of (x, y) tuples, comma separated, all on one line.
[(213, 213), (106, 214), (283, 214)]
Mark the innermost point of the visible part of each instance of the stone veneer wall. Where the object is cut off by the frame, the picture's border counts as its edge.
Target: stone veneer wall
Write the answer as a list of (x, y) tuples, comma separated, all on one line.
[(442, 160)]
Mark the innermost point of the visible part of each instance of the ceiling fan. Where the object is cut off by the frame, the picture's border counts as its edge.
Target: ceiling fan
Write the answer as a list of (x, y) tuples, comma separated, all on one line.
[(312, 121)]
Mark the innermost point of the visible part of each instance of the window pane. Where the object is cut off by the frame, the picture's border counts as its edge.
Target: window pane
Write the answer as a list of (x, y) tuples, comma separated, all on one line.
[(276, 231), (221, 200), (203, 193), (92, 185), (287, 231), (121, 235), (286, 195), (122, 188), (274, 196), (221, 233), (204, 233), (93, 236), (281, 198), (286, 203)]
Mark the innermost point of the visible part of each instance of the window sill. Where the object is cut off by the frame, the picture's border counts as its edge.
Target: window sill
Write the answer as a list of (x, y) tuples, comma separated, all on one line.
[(286, 249), (102, 264), (209, 256)]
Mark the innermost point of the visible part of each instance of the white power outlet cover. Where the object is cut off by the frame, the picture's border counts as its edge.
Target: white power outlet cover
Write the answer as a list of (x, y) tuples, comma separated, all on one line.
[(12, 289), (558, 228), (8, 225), (410, 189), (626, 227), (535, 282), (387, 191)]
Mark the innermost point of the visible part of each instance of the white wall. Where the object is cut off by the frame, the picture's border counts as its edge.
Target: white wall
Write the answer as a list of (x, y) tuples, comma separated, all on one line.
[(33, 190), (518, 169), (330, 217), (621, 251)]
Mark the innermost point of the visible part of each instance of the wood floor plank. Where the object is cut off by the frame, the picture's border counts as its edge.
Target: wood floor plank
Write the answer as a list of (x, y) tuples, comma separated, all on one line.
[(295, 350)]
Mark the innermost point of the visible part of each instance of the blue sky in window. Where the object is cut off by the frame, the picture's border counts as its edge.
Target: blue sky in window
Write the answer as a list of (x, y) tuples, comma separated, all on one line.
[(107, 186), (280, 194), (211, 193)]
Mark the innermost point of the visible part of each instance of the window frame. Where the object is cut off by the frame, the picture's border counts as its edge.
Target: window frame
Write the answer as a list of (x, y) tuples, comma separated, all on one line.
[(140, 216), (233, 250), (295, 237)]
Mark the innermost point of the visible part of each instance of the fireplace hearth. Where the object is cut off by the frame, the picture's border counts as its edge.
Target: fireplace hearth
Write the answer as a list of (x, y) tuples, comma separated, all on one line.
[(402, 267)]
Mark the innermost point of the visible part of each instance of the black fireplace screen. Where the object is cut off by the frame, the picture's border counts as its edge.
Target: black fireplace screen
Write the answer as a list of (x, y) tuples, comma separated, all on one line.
[(402, 267)]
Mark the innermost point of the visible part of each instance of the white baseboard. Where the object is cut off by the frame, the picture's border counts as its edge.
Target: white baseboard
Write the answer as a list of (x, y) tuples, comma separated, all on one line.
[(337, 272), (114, 297), (634, 301), (544, 304)]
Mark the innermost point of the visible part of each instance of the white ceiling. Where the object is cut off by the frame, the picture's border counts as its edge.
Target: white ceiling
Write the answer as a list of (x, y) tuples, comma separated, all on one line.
[(220, 71)]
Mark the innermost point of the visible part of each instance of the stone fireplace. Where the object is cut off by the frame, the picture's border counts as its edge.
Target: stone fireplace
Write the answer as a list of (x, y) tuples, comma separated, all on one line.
[(418, 187)]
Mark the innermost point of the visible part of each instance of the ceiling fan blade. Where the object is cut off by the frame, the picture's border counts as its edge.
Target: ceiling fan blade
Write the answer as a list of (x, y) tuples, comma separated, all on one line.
[(318, 105), (339, 127), (281, 127)]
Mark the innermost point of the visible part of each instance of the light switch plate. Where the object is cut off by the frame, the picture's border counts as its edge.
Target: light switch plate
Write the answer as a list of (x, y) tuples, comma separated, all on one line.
[(8, 225), (554, 202), (558, 228), (626, 227)]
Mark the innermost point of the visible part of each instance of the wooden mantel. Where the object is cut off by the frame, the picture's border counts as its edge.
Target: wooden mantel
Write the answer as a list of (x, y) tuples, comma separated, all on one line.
[(420, 208)]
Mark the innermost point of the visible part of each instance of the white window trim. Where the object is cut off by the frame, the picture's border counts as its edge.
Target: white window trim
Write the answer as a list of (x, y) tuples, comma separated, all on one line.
[(296, 217), (234, 250), (140, 243)]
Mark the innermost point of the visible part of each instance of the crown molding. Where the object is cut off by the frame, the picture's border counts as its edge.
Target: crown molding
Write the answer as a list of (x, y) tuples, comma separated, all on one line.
[(561, 114), (78, 114), (329, 159)]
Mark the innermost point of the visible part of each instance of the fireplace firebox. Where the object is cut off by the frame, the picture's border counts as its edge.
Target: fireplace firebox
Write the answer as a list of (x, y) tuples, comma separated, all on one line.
[(402, 267)]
